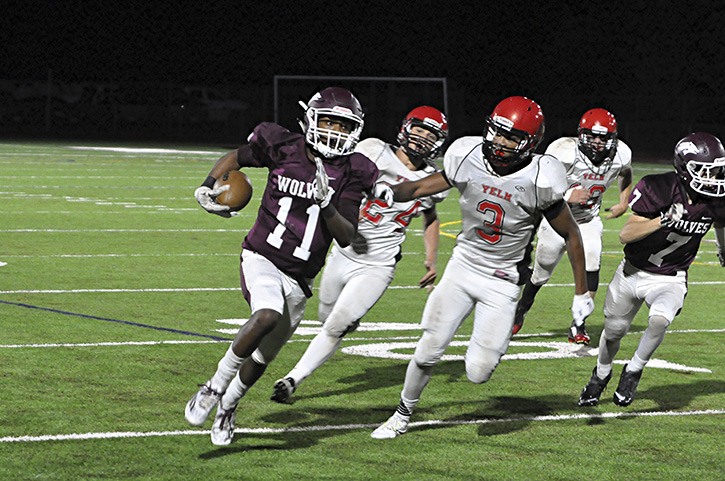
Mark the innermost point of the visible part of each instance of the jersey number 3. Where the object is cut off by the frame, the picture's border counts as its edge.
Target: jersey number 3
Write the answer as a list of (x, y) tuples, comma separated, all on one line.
[(493, 215)]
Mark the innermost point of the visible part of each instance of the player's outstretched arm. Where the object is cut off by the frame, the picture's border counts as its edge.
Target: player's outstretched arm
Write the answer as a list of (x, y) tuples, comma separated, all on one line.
[(431, 236), (625, 188), (341, 229), (565, 225), (638, 227), (430, 185)]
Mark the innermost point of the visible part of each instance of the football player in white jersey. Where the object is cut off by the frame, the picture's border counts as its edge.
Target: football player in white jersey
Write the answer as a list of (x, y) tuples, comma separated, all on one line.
[(356, 276), (592, 161), (504, 190)]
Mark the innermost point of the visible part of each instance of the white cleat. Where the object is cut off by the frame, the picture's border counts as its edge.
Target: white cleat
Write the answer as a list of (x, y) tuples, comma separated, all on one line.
[(201, 404), (222, 431), (396, 425)]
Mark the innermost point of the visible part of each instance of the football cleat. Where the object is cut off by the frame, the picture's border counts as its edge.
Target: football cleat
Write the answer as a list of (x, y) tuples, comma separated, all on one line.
[(201, 404), (578, 334), (593, 390), (283, 390), (222, 431), (519, 319), (396, 425), (624, 395)]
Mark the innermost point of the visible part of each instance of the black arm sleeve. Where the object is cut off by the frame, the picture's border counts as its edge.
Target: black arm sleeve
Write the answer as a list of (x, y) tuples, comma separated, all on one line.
[(553, 210)]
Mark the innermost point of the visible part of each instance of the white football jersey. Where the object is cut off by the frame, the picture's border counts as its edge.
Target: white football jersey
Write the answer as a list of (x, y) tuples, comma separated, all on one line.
[(384, 226), (499, 213), (579, 173)]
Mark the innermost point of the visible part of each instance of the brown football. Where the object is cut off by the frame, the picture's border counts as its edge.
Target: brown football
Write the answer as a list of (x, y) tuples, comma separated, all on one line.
[(240, 190)]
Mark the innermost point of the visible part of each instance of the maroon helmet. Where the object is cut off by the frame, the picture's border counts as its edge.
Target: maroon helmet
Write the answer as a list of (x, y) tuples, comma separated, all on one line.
[(700, 164), (517, 118), (337, 103)]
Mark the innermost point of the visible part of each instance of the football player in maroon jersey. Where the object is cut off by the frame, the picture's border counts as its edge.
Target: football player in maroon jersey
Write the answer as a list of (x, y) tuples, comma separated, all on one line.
[(672, 212), (313, 194)]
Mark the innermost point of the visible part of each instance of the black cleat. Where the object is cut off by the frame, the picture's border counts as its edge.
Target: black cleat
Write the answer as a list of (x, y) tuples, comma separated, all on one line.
[(283, 390), (628, 382), (593, 390)]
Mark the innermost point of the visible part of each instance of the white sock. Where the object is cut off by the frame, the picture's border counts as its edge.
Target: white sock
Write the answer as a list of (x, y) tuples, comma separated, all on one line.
[(636, 364), (227, 369), (234, 393), (416, 379), (603, 370), (322, 347)]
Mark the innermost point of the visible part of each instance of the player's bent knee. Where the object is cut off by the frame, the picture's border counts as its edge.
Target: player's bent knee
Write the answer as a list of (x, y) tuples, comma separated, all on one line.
[(428, 352), (658, 324), (481, 370), (426, 359), (338, 326), (615, 328), (266, 319)]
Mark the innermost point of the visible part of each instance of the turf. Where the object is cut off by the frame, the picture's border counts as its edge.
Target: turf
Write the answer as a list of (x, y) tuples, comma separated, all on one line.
[(110, 308)]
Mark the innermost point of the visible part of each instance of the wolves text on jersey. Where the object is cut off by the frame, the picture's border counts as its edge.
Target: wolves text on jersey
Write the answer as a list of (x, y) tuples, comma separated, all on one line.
[(691, 227), (295, 187)]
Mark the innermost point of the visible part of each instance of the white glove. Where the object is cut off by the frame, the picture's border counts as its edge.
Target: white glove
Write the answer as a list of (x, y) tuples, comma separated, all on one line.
[(383, 192), (323, 193), (673, 214), (581, 307), (205, 197)]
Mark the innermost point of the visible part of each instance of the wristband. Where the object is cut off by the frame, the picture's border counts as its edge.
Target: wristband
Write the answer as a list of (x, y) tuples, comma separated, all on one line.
[(209, 182)]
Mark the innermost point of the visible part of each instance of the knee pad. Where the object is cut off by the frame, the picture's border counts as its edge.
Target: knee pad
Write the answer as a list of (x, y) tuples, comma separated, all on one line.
[(615, 328), (593, 280), (338, 324), (481, 371), (657, 325)]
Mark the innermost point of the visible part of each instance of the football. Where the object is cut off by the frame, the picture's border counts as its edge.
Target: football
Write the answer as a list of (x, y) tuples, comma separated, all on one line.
[(240, 190)]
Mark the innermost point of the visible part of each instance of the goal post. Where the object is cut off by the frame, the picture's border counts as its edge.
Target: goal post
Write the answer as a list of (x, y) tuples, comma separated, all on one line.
[(385, 100)]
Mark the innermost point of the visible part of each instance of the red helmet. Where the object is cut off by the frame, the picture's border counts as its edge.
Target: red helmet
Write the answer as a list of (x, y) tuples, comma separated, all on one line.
[(424, 149), (335, 102), (515, 118), (598, 123)]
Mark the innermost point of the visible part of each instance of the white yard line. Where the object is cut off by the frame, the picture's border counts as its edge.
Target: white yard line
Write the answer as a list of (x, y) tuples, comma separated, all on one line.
[(352, 427)]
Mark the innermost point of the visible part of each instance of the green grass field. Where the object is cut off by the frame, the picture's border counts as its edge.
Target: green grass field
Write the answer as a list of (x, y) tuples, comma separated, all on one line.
[(120, 295)]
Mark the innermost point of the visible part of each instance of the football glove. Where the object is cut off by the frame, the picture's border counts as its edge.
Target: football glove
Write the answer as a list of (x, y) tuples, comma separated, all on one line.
[(383, 192), (673, 214), (205, 197), (323, 193), (581, 307)]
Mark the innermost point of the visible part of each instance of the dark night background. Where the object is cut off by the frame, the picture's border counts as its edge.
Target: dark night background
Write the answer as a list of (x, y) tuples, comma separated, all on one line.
[(658, 66)]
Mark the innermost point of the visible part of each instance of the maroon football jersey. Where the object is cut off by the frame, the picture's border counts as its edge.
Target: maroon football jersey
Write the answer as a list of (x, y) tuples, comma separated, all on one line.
[(669, 249), (290, 230)]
